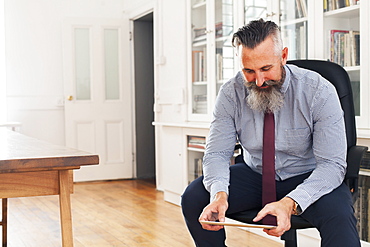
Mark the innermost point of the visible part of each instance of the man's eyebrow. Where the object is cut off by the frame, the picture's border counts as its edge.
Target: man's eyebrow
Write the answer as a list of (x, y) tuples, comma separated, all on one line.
[(267, 66), (263, 67)]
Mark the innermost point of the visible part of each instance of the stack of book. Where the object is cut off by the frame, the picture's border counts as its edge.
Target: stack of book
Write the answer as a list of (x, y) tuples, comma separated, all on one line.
[(337, 4), (199, 34), (345, 47), (199, 66), (198, 167), (362, 205), (197, 142), (200, 104), (301, 8)]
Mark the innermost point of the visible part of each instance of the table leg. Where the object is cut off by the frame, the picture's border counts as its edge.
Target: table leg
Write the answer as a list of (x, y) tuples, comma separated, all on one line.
[(65, 208), (4, 221)]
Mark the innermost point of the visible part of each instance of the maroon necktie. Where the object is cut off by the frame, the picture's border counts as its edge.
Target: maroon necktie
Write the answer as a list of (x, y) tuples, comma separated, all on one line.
[(268, 166)]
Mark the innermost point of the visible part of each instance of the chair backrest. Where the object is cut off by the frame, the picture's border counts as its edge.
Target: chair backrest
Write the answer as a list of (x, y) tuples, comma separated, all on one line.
[(335, 74)]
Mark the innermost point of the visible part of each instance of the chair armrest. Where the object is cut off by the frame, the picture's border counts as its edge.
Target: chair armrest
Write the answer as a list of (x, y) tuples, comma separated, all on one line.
[(354, 159)]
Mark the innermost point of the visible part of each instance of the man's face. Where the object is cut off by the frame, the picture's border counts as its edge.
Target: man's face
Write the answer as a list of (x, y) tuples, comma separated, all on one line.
[(264, 75)]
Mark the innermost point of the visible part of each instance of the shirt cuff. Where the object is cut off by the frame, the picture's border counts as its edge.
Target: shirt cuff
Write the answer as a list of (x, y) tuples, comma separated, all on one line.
[(298, 196), (218, 187)]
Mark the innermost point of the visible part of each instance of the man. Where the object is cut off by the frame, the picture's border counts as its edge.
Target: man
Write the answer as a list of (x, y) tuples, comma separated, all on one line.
[(310, 144)]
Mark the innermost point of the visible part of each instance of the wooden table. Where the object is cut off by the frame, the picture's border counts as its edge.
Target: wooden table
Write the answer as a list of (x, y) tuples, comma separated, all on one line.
[(30, 167)]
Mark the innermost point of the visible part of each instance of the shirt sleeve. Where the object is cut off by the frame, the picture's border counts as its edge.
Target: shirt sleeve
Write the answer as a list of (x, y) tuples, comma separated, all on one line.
[(329, 148), (220, 144)]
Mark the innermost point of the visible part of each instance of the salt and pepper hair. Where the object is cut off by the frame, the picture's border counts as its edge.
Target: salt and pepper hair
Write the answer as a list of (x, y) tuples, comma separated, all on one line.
[(255, 32)]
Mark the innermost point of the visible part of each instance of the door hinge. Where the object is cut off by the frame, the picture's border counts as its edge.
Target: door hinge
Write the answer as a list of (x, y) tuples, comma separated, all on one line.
[(130, 36)]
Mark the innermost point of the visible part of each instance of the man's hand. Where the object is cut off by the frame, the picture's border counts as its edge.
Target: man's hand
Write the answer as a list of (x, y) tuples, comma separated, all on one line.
[(216, 210), (282, 210)]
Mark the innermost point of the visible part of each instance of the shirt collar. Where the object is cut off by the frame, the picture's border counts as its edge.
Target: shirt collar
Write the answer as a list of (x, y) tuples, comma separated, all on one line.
[(286, 83)]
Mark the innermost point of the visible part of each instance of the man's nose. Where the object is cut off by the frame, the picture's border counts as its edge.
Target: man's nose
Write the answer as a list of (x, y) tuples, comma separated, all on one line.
[(260, 80)]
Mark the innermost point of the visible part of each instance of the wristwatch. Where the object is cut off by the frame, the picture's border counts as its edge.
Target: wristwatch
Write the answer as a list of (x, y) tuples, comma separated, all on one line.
[(296, 209)]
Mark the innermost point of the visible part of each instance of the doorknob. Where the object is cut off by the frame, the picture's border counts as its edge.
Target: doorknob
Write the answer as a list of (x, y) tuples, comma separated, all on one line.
[(70, 97)]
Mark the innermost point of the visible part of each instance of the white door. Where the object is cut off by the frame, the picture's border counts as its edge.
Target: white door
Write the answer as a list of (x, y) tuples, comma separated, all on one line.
[(98, 115)]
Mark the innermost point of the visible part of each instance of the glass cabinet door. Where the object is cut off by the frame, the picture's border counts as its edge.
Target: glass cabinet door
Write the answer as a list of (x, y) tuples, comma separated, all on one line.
[(224, 27), (290, 15), (212, 53), (293, 23), (255, 9), (199, 56)]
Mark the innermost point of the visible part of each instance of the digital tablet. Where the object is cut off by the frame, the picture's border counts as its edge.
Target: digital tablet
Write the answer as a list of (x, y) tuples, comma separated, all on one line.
[(237, 224)]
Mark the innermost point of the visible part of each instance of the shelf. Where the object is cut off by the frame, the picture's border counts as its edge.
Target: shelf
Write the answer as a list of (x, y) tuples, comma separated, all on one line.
[(200, 43), (364, 172), (196, 125), (196, 149), (199, 5), (221, 82), (200, 83), (352, 69), (363, 133), (295, 21), (222, 39), (346, 12)]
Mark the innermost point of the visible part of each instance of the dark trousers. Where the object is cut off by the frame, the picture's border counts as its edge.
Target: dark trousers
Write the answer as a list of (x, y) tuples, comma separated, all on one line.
[(332, 214)]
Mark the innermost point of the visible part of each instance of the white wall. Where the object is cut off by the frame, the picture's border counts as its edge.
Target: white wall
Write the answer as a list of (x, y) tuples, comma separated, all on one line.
[(2, 65), (169, 53), (34, 57), (34, 60)]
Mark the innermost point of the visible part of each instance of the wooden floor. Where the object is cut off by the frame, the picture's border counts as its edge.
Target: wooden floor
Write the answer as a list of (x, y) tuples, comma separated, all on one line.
[(118, 213)]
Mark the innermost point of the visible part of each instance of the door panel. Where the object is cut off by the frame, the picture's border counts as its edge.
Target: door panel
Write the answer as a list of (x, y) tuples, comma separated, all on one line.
[(98, 107)]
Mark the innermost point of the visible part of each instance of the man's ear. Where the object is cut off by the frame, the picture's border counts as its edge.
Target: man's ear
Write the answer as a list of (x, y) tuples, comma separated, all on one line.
[(284, 55), (237, 50)]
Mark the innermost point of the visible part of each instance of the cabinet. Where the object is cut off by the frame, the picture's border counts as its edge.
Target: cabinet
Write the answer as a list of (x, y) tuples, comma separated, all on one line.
[(211, 56)]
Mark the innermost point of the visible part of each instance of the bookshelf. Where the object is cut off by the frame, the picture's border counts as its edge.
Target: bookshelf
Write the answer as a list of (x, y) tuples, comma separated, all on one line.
[(342, 31), (306, 28)]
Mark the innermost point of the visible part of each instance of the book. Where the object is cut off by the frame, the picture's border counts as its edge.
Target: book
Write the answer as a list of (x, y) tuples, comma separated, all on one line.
[(198, 168)]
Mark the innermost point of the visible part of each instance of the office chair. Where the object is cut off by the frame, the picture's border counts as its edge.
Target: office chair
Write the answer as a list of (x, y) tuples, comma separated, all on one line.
[(340, 79)]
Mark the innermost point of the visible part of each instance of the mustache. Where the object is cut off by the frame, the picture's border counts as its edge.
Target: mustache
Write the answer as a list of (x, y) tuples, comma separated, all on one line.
[(253, 84)]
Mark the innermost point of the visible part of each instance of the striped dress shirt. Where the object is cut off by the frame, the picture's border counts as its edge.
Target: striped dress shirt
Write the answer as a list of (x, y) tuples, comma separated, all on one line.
[(309, 135)]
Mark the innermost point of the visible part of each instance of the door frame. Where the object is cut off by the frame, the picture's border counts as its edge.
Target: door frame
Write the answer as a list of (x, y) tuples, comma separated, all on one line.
[(140, 12)]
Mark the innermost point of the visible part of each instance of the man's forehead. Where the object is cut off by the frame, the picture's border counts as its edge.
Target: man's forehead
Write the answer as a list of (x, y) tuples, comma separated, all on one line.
[(257, 60)]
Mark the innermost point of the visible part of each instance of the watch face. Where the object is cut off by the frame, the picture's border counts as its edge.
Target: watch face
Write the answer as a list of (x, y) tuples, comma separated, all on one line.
[(296, 210), (299, 210)]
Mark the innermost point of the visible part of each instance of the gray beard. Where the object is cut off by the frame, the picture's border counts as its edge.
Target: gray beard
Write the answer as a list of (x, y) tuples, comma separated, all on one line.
[(265, 102), (270, 99)]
